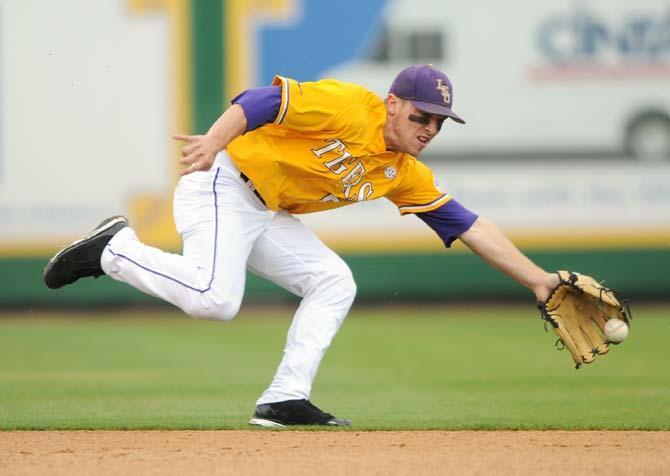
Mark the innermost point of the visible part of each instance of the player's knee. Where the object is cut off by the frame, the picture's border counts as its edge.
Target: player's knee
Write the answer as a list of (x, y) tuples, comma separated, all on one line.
[(215, 308), (340, 280), (348, 284)]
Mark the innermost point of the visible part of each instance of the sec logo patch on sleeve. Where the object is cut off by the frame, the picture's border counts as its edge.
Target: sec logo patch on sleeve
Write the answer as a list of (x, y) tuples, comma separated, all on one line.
[(390, 172)]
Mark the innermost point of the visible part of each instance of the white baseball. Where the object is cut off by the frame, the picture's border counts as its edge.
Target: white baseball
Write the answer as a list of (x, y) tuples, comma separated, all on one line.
[(616, 330)]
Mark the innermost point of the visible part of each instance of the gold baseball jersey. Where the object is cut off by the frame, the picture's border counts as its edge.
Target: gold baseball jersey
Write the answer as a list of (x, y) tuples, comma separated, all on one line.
[(326, 149)]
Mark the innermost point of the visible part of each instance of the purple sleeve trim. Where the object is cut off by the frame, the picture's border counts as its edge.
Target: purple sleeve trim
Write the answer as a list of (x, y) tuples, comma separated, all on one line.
[(449, 221), (260, 105)]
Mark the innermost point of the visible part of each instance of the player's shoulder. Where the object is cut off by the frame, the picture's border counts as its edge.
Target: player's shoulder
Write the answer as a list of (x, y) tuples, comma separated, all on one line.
[(412, 171), (345, 85), (355, 91), (410, 163), (347, 91)]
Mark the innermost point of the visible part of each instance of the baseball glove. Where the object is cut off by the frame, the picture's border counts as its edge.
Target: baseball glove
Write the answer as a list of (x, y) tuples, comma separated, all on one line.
[(577, 310)]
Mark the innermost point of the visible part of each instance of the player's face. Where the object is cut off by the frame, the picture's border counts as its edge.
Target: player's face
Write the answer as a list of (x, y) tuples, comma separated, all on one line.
[(411, 129)]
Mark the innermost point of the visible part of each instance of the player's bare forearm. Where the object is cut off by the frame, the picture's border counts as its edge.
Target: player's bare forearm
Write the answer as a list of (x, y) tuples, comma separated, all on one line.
[(200, 150), (488, 242)]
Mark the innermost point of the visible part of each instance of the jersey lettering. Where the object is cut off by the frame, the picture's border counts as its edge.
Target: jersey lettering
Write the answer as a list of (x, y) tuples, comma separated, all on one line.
[(365, 191), (352, 179), (330, 198), (333, 144), (339, 165), (338, 162)]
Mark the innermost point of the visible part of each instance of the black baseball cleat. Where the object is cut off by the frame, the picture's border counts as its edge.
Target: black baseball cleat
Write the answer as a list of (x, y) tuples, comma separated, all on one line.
[(293, 412), (82, 257)]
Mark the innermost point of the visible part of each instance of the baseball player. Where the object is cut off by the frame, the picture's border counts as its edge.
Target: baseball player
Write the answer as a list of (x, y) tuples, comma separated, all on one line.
[(278, 152)]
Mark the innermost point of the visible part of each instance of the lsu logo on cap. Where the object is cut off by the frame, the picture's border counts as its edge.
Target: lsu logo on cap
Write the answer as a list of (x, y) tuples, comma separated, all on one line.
[(444, 90), (390, 172)]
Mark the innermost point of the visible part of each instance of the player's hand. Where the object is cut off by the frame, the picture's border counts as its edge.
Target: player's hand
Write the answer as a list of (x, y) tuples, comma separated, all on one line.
[(198, 153), (544, 288)]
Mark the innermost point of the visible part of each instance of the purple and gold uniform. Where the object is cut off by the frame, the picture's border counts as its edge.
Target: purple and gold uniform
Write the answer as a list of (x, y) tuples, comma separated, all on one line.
[(323, 147)]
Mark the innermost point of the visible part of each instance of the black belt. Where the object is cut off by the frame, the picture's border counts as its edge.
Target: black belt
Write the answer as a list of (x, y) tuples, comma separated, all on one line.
[(251, 187)]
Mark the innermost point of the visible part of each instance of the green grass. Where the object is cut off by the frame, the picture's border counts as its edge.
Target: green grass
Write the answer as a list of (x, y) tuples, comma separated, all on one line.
[(448, 368)]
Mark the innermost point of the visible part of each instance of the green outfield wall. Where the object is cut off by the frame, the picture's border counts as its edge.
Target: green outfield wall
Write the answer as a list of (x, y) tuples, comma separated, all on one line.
[(385, 278)]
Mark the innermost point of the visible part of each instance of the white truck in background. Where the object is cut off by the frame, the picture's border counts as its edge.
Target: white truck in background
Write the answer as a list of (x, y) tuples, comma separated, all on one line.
[(535, 78)]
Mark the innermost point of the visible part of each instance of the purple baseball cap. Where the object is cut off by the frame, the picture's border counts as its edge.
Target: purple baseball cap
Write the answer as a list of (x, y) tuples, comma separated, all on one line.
[(427, 88)]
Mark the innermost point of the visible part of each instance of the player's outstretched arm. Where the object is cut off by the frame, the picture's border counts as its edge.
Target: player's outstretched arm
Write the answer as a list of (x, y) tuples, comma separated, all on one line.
[(200, 150), (487, 241)]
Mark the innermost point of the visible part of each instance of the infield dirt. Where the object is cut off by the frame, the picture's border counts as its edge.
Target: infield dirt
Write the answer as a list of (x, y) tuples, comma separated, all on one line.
[(334, 452)]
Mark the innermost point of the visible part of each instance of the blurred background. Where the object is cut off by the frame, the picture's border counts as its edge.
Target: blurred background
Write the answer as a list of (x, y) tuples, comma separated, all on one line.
[(566, 147)]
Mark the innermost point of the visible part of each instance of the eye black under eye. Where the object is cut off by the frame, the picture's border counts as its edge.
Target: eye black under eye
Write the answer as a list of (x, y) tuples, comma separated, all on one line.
[(423, 120)]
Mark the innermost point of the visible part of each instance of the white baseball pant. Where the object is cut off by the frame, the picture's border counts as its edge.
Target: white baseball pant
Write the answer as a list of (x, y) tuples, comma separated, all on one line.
[(226, 229)]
